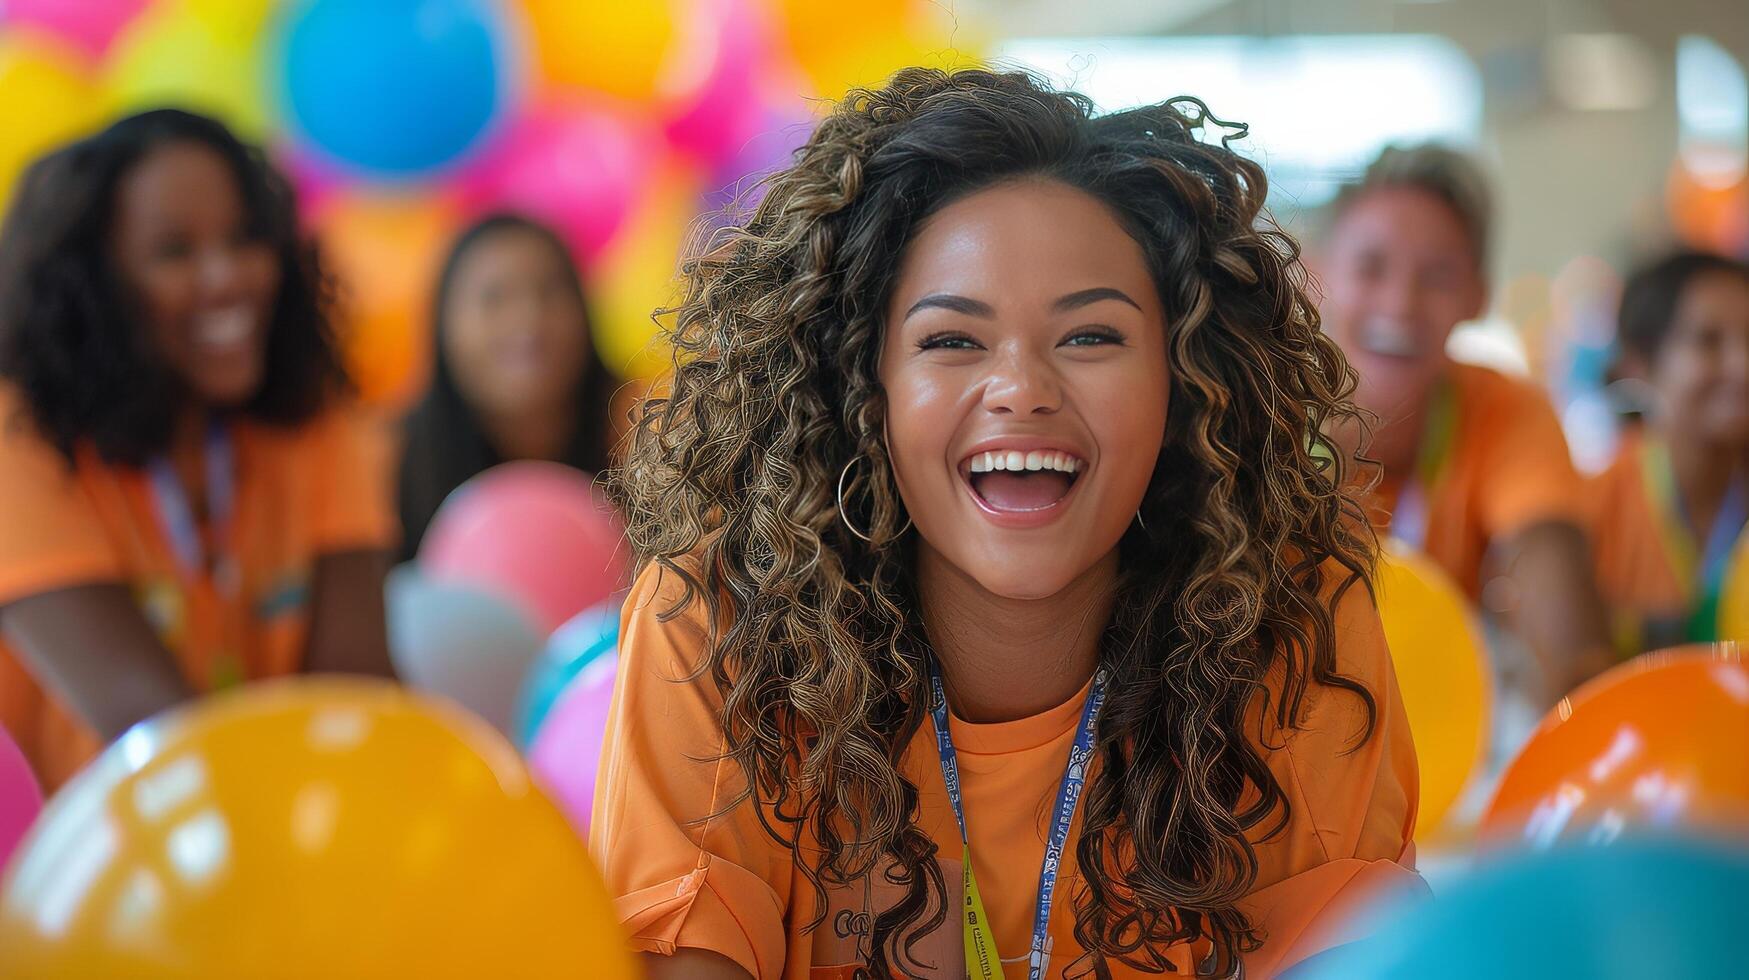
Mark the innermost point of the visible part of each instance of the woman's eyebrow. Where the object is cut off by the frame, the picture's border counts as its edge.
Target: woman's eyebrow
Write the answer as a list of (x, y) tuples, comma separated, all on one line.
[(978, 308), (1087, 297), (953, 302)]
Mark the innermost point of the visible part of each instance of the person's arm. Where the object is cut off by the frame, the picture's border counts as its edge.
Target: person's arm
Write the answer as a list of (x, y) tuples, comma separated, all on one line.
[(691, 964), (92, 646), (1558, 610), (348, 631)]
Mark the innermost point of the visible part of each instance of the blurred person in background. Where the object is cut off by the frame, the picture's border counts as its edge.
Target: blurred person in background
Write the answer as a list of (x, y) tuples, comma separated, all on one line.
[(187, 499), (1475, 470), (1673, 505), (515, 375)]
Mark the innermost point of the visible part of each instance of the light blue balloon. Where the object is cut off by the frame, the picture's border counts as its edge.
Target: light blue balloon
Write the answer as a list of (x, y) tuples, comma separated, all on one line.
[(574, 646), (459, 641), (392, 87), (1636, 910)]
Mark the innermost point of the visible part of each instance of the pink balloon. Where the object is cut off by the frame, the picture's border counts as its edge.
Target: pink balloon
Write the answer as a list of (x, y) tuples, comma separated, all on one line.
[(567, 749), (89, 24), (580, 169), (715, 117), (537, 534), (21, 799)]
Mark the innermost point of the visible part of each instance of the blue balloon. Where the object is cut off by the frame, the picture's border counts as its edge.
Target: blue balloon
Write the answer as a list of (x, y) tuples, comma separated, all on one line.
[(581, 641), (1636, 909), (392, 87)]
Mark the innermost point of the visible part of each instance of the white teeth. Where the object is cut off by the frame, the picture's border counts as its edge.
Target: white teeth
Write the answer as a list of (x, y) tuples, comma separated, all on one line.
[(225, 328), (1014, 461)]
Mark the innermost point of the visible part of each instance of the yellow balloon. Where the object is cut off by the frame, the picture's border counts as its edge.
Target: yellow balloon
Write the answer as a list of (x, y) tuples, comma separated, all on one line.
[(1442, 669), (841, 46), (170, 57), (307, 827), (46, 98), (611, 46), (638, 274), (241, 19), (1734, 596)]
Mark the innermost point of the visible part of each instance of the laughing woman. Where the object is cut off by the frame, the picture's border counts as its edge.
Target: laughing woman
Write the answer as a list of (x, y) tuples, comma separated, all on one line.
[(186, 500), (1000, 615)]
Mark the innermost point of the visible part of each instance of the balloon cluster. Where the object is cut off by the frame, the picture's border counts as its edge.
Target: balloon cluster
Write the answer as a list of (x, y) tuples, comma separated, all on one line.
[(618, 123), (521, 553)]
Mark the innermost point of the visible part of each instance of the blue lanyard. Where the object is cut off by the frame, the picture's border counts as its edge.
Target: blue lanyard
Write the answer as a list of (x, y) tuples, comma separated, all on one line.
[(176, 514), (1068, 795)]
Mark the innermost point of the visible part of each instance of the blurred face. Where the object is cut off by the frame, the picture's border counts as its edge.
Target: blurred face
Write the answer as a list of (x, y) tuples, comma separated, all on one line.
[(1025, 368), (1398, 273), (203, 279), (1701, 375), (515, 332)]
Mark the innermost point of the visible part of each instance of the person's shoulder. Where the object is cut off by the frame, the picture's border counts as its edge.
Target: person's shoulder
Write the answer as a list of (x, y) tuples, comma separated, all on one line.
[(669, 594), (1359, 658), (24, 447), (1488, 392)]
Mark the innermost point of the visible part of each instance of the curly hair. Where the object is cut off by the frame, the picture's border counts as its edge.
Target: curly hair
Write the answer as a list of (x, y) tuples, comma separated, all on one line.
[(1224, 610), (70, 338)]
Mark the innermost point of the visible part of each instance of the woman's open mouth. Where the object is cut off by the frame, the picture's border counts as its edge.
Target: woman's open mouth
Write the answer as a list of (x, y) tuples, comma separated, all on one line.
[(1021, 487)]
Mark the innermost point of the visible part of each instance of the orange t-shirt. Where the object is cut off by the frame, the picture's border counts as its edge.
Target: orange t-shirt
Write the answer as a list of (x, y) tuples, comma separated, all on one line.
[(1506, 469), (1650, 598), (300, 493), (684, 878)]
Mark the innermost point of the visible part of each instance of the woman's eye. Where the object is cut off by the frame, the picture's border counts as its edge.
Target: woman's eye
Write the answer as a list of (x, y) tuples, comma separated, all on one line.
[(1093, 336), (947, 341)]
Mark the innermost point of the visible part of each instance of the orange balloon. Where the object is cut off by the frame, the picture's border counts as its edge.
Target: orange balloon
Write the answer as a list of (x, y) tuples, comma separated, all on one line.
[(1657, 744), (386, 251), (307, 827)]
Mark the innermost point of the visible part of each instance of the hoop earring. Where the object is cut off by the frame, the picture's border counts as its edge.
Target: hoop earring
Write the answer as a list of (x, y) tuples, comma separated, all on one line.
[(845, 517), (1139, 522)]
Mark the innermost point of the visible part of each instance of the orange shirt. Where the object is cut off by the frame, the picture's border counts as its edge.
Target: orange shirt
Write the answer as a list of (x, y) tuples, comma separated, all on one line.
[(1650, 585), (722, 884), (1506, 468), (300, 493)]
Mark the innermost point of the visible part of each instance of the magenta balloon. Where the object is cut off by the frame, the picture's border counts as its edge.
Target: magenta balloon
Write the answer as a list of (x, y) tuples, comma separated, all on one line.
[(21, 799), (715, 118), (580, 169), (88, 24), (567, 749), (537, 534)]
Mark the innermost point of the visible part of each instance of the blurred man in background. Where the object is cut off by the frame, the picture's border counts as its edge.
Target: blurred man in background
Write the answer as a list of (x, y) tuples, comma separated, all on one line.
[(1475, 471)]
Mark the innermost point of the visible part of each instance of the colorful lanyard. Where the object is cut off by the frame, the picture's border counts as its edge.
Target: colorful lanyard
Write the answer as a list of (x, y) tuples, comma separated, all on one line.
[(181, 529), (982, 962), (1409, 517), (1700, 571)]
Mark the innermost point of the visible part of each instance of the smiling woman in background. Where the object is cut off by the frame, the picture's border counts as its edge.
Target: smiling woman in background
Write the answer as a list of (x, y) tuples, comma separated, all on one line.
[(186, 500), (1475, 469), (515, 375), (1672, 507)]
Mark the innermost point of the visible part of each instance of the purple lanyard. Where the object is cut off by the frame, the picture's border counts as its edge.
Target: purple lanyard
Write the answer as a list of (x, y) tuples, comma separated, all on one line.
[(1068, 795), (177, 520)]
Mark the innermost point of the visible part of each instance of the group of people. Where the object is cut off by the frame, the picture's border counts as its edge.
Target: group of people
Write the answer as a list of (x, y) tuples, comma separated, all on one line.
[(1005, 524), (1474, 469)]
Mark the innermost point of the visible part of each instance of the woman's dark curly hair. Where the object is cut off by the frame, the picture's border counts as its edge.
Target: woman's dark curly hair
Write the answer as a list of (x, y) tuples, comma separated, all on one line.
[(1225, 601), (70, 335)]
